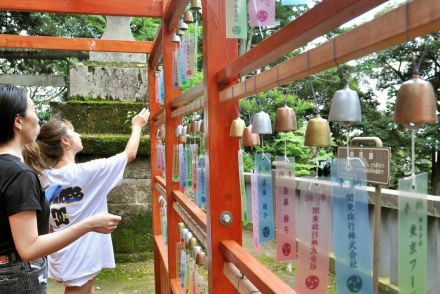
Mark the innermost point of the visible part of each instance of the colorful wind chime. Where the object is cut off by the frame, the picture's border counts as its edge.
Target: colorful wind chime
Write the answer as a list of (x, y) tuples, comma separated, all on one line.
[(415, 106)]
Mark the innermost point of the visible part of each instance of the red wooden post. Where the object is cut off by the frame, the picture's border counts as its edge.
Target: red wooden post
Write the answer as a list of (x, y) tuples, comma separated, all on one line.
[(223, 188), (171, 93), (154, 107)]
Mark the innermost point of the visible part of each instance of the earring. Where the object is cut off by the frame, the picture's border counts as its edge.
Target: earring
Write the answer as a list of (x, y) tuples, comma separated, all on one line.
[(67, 148)]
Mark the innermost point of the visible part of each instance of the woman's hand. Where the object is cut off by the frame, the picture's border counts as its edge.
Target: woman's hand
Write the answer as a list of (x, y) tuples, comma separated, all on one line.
[(103, 222), (141, 119)]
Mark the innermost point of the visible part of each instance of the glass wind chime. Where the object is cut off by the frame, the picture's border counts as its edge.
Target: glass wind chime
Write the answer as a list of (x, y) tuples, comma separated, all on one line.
[(415, 106)]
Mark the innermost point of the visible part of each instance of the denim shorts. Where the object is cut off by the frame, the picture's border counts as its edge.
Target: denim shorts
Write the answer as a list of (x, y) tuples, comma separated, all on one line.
[(24, 277)]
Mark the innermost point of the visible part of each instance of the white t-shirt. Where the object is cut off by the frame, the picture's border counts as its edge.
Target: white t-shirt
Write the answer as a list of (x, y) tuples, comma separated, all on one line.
[(85, 189)]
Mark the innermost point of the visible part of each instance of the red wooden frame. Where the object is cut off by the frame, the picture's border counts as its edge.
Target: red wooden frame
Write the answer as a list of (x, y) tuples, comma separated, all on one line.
[(78, 44), (147, 8)]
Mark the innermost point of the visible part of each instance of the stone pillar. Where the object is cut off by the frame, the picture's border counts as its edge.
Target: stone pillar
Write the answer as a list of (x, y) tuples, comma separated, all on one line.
[(111, 76)]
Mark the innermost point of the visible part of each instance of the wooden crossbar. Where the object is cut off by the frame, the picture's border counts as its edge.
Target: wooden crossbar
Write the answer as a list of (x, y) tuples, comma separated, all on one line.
[(416, 18), (76, 44), (323, 18), (147, 8)]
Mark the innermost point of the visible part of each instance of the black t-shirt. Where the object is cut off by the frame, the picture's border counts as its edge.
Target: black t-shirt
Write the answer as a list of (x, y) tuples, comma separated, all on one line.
[(20, 190)]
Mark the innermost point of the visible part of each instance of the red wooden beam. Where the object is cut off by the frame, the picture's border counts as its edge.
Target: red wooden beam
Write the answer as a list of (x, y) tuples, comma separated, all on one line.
[(198, 215), (147, 8), (323, 18), (156, 51), (259, 275), (173, 13), (168, 49), (223, 186), (77, 44)]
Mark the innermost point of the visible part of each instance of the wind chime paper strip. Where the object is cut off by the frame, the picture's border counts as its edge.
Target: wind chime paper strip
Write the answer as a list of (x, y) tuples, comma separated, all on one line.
[(195, 162), (180, 247), (261, 13), (196, 38), (263, 166), (190, 56), (161, 87), (236, 19), (187, 273), (188, 167), (201, 180), (351, 228), (285, 198), (183, 267), (255, 217), (295, 2), (164, 223), (244, 208), (192, 277), (158, 155), (313, 239), (182, 59), (176, 164), (413, 233), (182, 165), (176, 68), (157, 96)]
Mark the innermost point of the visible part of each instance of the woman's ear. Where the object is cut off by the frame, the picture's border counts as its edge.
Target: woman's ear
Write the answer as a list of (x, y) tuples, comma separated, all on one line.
[(18, 123), (65, 142)]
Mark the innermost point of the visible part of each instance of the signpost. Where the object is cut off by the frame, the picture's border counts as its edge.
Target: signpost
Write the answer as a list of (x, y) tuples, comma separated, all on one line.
[(377, 161)]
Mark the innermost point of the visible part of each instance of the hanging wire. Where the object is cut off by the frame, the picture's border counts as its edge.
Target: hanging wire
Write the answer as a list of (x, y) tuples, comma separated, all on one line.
[(413, 156), (316, 100)]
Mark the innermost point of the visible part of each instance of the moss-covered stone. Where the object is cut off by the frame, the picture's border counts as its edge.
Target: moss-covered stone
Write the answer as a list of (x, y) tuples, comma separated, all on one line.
[(134, 234), (107, 145), (98, 116)]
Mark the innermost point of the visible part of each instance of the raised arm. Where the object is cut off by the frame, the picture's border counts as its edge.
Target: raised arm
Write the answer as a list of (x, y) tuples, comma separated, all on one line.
[(30, 246), (138, 123)]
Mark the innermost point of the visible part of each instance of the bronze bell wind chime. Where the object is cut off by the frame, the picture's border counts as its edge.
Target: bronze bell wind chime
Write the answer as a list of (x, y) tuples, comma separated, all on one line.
[(415, 106), (285, 121), (318, 131)]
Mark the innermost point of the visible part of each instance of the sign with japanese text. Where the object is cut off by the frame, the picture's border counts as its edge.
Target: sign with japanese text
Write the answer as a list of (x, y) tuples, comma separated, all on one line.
[(236, 19), (176, 164), (201, 183), (188, 167), (263, 167), (255, 216), (376, 160), (182, 166), (313, 238), (285, 197), (351, 227), (413, 232)]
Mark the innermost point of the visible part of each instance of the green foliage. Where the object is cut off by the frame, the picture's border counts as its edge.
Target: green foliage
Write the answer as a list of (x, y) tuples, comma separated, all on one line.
[(108, 145)]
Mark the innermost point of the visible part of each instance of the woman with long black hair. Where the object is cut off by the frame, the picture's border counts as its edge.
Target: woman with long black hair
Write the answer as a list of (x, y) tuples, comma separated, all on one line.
[(24, 211)]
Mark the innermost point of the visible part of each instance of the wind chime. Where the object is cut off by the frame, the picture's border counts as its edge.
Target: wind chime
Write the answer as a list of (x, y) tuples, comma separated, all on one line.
[(237, 129), (318, 131), (285, 121), (345, 109), (415, 106)]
